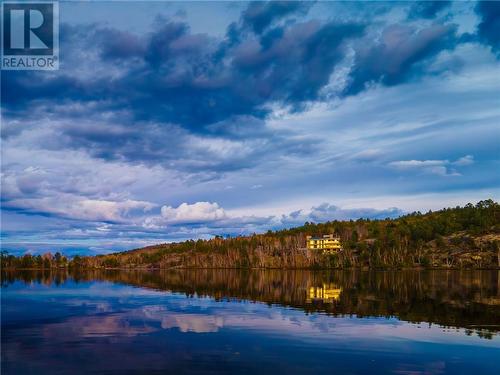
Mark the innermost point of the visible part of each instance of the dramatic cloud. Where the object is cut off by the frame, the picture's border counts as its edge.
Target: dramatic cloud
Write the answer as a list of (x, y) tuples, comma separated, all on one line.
[(201, 84), (196, 120), (259, 15), (394, 58)]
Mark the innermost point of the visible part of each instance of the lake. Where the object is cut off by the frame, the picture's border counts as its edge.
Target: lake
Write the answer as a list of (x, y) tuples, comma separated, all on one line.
[(234, 321)]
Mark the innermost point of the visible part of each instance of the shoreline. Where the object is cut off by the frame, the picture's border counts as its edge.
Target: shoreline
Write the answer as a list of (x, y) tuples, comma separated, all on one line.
[(364, 269)]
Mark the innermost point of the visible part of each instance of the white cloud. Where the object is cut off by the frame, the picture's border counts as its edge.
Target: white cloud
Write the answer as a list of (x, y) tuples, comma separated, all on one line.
[(74, 207), (437, 167), (464, 160), (196, 212), (199, 212), (196, 323), (406, 164), (367, 155)]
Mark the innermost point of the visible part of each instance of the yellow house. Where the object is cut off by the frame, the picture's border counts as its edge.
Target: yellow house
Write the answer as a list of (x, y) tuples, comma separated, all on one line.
[(326, 242)]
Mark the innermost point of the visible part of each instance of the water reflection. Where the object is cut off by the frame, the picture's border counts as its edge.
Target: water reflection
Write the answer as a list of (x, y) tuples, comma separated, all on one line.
[(462, 299), (326, 293), (229, 321)]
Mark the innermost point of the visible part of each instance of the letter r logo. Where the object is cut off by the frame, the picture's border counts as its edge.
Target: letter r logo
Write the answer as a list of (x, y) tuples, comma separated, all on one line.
[(28, 29)]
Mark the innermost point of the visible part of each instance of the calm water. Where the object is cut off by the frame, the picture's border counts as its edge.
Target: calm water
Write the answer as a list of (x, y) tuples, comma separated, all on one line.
[(227, 321)]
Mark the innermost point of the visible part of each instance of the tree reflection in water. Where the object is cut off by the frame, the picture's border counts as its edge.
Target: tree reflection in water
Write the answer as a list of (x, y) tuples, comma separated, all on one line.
[(461, 299)]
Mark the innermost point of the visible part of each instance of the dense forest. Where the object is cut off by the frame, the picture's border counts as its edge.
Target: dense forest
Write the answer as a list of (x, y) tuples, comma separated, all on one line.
[(460, 237)]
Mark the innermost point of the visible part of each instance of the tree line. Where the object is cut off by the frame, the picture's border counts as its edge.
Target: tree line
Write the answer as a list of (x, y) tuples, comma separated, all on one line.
[(460, 237)]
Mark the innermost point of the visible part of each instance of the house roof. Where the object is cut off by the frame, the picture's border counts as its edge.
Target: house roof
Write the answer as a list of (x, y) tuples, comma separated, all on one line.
[(323, 238)]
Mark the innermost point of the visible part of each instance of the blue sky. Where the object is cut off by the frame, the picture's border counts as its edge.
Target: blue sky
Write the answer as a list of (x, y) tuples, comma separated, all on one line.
[(170, 121)]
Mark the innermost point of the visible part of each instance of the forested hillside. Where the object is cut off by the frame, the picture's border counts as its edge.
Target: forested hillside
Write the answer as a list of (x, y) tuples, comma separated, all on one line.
[(461, 237)]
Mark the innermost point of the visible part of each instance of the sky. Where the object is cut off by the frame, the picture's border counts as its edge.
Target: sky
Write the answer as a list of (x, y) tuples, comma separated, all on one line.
[(171, 121)]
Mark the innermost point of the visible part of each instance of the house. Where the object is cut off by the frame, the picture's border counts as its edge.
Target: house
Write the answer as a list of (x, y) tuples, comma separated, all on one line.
[(326, 242)]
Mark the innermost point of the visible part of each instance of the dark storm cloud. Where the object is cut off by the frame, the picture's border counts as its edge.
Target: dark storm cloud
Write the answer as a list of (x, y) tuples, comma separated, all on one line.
[(187, 81), (260, 15), (147, 95), (489, 27), (293, 64), (172, 75), (117, 44), (193, 80), (395, 58), (172, 41), (179, 79), (20, 88), (427, 9)]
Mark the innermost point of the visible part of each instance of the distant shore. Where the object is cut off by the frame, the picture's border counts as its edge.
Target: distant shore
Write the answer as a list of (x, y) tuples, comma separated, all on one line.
[(363, 269), (455, 238)]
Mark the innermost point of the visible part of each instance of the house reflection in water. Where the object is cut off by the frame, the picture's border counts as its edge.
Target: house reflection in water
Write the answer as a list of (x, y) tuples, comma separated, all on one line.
[(327, 293)]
